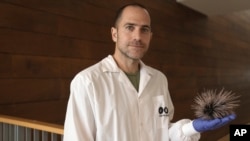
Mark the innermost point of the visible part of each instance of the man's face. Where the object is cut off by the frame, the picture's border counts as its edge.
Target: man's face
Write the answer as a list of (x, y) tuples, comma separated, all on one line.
[(132, 33)]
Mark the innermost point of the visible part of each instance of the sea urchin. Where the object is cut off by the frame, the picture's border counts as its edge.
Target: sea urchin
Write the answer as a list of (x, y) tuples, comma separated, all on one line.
[(210, 105)]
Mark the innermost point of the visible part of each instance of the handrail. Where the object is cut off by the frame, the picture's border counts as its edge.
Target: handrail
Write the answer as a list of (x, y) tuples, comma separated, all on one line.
[(38, 125), (20, 129)]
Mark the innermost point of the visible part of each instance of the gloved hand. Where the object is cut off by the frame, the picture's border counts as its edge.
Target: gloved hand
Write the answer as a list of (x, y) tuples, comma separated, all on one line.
[(202, 125)]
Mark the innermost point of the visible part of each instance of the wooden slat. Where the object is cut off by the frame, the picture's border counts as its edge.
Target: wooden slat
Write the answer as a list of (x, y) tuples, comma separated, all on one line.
[(52, 111), (5, 62), (13, 16), (28, 43), (25, 90), (68, 8), (77, 29)]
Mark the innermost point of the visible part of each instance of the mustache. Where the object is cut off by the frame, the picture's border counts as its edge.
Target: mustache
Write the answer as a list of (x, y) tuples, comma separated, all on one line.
[(136, 43)]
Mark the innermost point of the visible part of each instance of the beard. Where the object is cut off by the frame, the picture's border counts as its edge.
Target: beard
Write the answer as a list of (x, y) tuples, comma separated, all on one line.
[(134, 50)]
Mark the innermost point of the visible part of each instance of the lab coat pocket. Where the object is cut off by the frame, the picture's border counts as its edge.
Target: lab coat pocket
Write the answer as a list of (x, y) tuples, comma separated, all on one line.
[(161, 112)]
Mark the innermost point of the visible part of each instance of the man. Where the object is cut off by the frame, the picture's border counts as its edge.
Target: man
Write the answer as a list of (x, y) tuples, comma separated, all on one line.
[(122, 99)]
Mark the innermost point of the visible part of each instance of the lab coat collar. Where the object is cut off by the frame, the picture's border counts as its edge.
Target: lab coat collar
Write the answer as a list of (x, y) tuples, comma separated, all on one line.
[(109, 65), (146, 72)]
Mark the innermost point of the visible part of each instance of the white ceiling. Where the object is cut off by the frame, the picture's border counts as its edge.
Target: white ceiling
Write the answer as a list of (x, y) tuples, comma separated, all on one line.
[(216, 7)]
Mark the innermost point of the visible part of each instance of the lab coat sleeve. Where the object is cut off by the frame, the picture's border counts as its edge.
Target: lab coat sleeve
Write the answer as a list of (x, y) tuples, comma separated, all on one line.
[(183, 130), (79, 122)]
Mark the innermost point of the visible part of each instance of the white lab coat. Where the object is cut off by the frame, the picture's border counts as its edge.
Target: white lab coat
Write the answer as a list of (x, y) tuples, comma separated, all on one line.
[(105, 106)]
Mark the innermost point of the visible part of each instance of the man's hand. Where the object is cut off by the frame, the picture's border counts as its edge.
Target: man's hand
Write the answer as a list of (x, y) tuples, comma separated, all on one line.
[(202, 125)]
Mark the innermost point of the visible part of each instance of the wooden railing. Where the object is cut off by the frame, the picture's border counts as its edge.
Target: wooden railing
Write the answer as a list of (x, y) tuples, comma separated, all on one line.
[(20, 129)]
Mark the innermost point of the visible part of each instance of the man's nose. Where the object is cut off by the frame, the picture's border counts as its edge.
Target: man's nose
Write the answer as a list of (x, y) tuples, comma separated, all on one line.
[(137, 34)]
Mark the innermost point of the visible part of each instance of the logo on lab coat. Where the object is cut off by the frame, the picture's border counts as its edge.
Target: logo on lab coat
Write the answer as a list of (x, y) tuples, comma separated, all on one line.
[(163, 111)]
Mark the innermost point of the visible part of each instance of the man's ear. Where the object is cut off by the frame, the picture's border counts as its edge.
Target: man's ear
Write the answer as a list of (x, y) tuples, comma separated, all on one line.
[(114, 33)]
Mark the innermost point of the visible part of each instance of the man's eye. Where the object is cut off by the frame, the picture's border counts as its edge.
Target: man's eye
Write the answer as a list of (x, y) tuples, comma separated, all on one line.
[(130, 28), (145, 30)]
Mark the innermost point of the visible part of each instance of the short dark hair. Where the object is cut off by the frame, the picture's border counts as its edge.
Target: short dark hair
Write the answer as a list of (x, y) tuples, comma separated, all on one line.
[(120, 10)]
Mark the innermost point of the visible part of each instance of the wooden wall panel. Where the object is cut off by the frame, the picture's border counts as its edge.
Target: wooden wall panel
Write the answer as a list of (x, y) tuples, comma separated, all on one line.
[(31, 43), (21, 18), (80, 29), (43, 44), (49, 111)]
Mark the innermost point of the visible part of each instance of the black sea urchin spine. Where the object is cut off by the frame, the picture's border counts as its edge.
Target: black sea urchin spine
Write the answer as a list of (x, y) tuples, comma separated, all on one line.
[(210, 105)]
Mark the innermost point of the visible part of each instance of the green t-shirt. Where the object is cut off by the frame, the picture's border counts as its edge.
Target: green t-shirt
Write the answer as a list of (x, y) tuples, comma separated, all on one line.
[(134, 79)]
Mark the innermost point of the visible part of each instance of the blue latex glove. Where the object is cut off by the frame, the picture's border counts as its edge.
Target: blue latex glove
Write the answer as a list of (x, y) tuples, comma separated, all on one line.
[(202, 125)]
